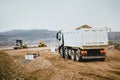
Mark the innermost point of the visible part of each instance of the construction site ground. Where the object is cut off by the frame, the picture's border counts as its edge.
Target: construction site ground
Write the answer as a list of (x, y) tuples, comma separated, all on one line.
[(51, 66)]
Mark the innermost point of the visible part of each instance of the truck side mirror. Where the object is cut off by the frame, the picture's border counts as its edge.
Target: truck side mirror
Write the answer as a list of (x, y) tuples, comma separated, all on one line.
[(58, 36)]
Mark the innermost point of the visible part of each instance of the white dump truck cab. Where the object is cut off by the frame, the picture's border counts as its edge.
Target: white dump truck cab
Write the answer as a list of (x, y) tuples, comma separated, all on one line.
[(86, 43)]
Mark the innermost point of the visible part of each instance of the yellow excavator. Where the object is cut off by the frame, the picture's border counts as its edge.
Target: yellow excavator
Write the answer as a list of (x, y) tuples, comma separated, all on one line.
[(42, 44)]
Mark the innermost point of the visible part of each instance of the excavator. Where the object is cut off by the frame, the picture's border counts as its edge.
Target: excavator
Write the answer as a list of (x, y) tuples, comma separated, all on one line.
[(42, 44), (19, 44)]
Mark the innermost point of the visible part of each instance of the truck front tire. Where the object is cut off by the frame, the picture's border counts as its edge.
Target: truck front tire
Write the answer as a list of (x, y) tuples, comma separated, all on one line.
[(62, 51), (78, 55)]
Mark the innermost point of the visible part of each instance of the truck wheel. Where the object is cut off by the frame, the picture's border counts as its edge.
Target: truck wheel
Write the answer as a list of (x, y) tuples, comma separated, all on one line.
[(66, 53), (69, 53), (78, 55), (73, 55), (62, 51), (59, 50), (15, 48)]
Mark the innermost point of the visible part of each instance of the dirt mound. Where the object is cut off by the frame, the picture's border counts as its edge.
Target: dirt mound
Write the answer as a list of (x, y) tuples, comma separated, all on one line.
[(83, 26), (10, 69), (42, 74), (38, 63), (41, 68), (50, 66)]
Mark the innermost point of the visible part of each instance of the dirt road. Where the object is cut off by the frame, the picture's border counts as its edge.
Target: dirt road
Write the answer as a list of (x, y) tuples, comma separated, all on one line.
[(51, 66)]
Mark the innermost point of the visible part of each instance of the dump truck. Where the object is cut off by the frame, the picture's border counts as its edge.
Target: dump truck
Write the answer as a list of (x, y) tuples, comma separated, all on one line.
[(19, 44), (85, 43)]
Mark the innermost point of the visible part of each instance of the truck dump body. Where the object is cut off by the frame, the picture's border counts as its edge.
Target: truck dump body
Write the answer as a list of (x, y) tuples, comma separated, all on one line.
[(86, 38)]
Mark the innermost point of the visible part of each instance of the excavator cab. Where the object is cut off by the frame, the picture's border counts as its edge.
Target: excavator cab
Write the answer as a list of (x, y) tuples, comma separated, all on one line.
[(18, 43)]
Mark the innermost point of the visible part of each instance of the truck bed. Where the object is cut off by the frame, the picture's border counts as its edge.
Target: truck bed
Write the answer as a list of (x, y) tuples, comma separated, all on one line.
[(86, 38)]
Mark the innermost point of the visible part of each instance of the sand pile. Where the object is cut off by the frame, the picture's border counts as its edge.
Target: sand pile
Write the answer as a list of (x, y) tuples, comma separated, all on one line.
[(10, 69), (38, 63)]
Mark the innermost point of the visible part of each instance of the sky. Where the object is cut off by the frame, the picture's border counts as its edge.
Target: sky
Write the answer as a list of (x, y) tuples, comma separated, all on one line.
[(59, 14)]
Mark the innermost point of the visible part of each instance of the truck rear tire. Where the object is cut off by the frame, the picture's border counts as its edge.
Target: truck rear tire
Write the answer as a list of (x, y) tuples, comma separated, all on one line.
[(69, 53), (66, 53), (78, 55), (73, 55)]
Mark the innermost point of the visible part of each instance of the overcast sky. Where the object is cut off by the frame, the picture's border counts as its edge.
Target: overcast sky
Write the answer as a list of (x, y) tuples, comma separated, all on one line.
[(59, 14)]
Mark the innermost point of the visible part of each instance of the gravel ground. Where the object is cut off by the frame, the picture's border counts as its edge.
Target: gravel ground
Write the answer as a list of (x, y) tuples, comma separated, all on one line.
[(51, 66)]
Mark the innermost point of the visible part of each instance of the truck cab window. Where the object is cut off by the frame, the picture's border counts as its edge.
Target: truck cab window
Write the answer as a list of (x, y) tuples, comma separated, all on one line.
[(58, 35)]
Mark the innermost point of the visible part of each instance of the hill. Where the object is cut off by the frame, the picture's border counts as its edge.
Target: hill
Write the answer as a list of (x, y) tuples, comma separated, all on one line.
[(114, 37), (30, 37)]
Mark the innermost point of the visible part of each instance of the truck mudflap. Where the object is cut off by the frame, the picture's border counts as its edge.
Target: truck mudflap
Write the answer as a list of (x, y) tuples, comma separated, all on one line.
[(93, 57)]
